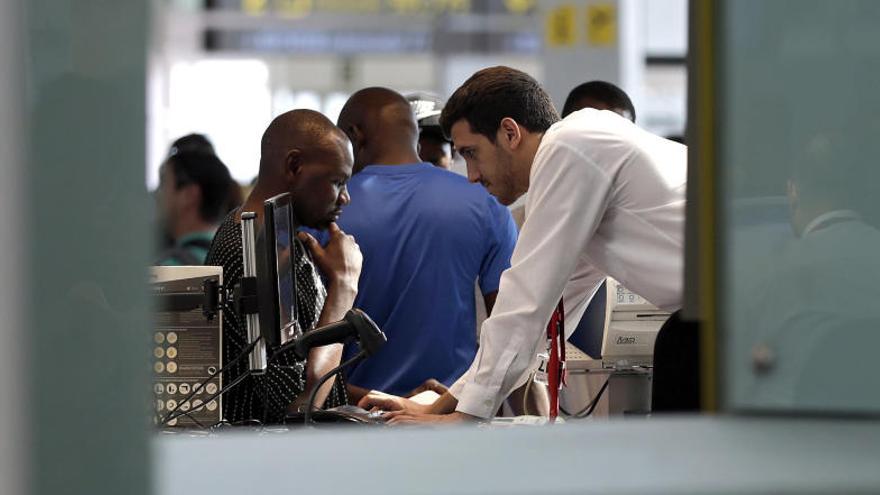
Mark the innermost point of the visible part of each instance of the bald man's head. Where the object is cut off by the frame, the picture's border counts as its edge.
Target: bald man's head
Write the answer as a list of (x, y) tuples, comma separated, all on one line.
[(303, 153), (381, 126)]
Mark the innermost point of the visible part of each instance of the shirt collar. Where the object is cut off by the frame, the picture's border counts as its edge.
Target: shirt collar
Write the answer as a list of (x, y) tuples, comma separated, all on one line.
[(408, 168), (203, 234), (830, 217)]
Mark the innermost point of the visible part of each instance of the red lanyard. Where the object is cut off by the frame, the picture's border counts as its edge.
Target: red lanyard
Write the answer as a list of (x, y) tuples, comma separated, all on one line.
[(556, 364)]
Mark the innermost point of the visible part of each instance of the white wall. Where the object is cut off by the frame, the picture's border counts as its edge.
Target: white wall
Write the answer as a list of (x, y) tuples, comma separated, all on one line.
[(666, 27)]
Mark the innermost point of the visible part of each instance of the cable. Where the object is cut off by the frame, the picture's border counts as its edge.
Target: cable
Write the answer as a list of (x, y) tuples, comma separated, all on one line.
[(192, 418), (588, 410), (314, 394), (526, 390), (265, 417), (198, 388), (220, 392)]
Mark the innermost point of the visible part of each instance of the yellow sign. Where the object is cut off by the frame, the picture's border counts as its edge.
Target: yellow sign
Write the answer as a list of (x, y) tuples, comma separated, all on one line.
[(253, 7), (348, 6), (602, 24), (294, 8), (561, 28), (519, 6), (405, 6), (458, 6)]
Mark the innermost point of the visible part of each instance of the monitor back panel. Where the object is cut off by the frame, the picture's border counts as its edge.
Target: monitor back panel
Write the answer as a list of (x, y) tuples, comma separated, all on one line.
[(187, 348)]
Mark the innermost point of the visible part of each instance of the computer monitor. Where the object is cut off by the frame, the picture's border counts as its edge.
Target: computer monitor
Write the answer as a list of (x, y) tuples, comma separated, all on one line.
[(631, 327), (617, 329), (587, 336), (276, 281)]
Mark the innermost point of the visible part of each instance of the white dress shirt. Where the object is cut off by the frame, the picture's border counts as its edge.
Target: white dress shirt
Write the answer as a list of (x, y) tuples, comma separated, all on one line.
[(605, 198)]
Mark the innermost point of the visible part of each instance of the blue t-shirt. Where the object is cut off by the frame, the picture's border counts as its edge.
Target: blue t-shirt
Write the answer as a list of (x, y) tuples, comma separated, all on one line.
[(427, 235)]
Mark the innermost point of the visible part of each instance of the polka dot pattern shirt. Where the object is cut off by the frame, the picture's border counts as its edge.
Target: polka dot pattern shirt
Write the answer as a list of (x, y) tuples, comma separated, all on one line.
[(265, 398)]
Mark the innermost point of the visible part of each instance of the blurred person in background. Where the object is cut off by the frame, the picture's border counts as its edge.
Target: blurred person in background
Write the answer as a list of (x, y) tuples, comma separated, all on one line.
[(191, 142), (195, 192), (433, 146), (600, 95), (815, 296)]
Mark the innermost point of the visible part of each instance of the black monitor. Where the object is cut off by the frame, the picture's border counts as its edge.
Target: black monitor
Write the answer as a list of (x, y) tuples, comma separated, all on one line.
[(589, 333), (276, 286)]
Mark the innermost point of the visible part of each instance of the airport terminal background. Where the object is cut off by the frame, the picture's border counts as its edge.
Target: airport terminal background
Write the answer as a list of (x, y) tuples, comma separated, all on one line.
[(778, 103)]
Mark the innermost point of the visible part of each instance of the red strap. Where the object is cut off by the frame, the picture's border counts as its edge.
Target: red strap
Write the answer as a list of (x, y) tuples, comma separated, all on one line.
[(556, 364)]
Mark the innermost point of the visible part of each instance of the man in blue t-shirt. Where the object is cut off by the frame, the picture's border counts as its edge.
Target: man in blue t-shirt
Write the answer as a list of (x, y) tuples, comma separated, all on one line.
[(427, 235)]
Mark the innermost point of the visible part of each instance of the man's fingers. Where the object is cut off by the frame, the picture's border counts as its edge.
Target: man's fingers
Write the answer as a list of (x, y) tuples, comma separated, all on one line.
[(367, 402), (308, 240), (408, 419), (383, 403), (400, 419), (436, 386), (334, 229)]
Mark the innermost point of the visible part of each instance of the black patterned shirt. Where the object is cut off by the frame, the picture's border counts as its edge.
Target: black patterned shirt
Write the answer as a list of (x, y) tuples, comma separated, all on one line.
[(267, 397)]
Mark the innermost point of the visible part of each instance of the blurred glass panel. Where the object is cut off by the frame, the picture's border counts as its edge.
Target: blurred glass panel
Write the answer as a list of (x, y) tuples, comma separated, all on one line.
[(84, 207), (799, 151)]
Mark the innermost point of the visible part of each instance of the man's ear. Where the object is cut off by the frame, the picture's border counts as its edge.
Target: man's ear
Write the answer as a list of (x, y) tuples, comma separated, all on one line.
[(293, 162), (509, 133), (356, 136)]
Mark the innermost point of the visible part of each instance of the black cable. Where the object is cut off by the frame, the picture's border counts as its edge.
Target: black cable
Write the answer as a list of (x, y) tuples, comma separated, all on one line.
[(220, 392), (265, 404), (192, 418), (314, 394), (588, 410), (526, 389), (200, 386)]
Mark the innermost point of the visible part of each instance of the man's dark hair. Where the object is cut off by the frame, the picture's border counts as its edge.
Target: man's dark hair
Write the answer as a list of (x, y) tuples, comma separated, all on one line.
[(835, 168), (218, 188), (495, 93), (598, 94), (191, 142)]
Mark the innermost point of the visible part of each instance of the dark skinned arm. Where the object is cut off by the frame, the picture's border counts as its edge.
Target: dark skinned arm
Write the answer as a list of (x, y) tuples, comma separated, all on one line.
[(340, 261)]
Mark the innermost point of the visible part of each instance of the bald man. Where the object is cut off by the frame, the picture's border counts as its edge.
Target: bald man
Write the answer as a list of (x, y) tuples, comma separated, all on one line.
[(304, 154), (427, 236)]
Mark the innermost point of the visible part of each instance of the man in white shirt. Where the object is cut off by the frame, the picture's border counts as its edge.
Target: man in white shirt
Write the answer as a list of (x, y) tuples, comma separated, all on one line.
[(606, 198)]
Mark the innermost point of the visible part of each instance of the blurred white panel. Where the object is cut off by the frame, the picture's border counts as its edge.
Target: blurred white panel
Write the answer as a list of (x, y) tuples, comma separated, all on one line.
[(396, 72), (227, 100), (459, 68), (309, 100), (312, 73), (282, 101), (681, 455), (664, 106), (333, 104), (667, 27)]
